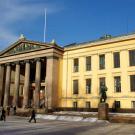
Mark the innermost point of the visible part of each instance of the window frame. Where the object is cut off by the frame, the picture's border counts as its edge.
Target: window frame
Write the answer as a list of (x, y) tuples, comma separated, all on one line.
[(75, 65), (133, 104), (86, 82), (88, 65), (116, 84), (133, 84), (116, 60), (132, 56), (104, 78), (75, 104), (117, 104), (76, 90), (87, 104), (101, 59)]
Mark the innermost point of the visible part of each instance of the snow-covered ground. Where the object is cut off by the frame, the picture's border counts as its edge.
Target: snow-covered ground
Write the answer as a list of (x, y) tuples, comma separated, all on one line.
[(69, 118), (75, 113), (78, 116), (92, 113)]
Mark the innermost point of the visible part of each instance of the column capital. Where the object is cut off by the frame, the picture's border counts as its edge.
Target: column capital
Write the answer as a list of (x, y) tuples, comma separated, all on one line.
[(17, 62), (37, 59), (52, 57), (26, 61), (7, 64), (2, 65)]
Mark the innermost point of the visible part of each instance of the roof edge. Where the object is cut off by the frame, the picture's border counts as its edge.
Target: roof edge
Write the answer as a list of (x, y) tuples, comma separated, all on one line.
[(101, 41)]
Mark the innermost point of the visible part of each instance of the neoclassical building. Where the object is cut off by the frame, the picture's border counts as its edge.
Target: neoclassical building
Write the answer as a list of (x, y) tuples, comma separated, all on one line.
[(30, 74), (45, 75)]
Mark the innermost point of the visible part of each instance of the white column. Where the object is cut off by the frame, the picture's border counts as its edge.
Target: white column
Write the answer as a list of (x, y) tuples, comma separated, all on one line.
[(17, 84), (7, 85), (26, 84), (37, 83), (1, 83), (52, 71)]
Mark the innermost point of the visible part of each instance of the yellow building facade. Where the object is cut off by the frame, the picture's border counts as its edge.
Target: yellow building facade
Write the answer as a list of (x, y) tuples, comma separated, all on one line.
[(121, 96)]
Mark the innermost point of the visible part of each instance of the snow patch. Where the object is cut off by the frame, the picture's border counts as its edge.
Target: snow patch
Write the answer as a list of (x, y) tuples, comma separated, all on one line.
[(69, 118)]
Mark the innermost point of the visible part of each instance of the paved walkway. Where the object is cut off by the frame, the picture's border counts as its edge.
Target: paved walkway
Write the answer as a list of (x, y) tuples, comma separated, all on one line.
[(20, 126)]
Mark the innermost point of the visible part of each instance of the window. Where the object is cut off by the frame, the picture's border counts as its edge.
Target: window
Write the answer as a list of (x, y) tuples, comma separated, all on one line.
[(133, 104), (132, 57), (75, 105), (117, 84), (102, 61), (75, 86), (88, 63), (117, 104), (101, 81), (76, 65), (88, 105), (132, 83), (88, 86), (116, 58)]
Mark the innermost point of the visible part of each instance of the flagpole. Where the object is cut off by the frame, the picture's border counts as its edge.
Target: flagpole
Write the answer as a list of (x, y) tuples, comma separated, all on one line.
[(45, 26)]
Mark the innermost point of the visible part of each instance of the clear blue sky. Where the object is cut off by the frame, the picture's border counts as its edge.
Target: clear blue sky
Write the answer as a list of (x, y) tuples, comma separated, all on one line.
[(68, 21)]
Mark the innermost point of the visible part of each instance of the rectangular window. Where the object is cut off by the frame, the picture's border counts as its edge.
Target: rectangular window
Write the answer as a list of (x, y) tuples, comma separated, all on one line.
[(88, 105), (88, 86), (101, 81), (88, 63), (75, 86), (102, 61), (132, 57), (117, 84), (76, 65), (132, 83), (117, 104), (75, 105), (116, 58), (133, 104)]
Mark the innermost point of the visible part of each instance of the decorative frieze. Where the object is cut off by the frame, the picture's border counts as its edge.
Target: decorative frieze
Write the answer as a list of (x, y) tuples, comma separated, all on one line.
[(22, 48)]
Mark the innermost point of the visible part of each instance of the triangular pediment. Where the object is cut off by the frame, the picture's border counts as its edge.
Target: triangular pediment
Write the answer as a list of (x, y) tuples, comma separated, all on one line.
[(23, 46)]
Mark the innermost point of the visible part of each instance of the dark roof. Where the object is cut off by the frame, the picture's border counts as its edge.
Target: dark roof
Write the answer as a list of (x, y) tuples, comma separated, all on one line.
[(103, 38)]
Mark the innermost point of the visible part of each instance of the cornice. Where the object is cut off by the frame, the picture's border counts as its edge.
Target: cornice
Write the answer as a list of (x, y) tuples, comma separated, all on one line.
[(100, 42)]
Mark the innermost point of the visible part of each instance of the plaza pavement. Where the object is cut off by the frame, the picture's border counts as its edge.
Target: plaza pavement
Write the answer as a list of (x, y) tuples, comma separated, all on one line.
[(19, 126)]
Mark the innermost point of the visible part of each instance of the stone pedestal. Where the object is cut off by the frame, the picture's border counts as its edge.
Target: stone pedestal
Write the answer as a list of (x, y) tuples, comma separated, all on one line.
[(103, 110)]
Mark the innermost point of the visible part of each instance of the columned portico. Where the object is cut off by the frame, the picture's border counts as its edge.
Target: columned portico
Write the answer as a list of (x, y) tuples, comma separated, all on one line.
[(26, 84), (29, 74), (17, 82), (37, 83), (7, 84)]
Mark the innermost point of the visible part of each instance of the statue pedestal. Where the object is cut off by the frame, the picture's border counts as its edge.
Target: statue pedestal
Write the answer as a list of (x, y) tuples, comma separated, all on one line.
[(103, 110)]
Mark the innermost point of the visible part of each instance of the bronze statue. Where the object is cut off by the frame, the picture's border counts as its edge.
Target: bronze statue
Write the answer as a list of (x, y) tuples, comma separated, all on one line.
[(103, 90)]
